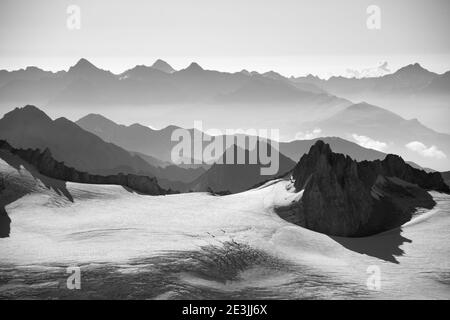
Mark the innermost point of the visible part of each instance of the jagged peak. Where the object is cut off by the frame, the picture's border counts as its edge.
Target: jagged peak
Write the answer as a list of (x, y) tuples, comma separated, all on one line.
[(84, 63), (311, 76), (321, 158), (320, 147), (390, 157), (412, 68)]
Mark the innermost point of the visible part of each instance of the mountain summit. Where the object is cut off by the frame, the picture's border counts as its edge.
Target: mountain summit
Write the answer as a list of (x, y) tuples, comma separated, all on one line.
[(343, 197), (163, 66), (415, 68), (85, 69), (83, 64), (194, 67)]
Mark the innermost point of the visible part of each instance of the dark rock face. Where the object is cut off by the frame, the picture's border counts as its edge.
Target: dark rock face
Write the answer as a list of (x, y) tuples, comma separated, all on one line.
[(343, 197), (446, 177), (5, 223), (48, 166)]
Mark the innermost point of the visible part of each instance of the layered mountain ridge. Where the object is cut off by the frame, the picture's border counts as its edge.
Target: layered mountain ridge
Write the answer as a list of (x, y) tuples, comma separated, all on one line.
[(44, 162), (29, 127)]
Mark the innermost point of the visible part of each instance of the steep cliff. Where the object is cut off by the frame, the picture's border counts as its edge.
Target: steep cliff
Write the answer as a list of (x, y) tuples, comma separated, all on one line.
[(48, 166), (344, 197), (4, 219)]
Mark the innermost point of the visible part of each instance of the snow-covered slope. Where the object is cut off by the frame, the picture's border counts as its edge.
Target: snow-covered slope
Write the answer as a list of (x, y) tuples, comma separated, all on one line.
[(111, 225)]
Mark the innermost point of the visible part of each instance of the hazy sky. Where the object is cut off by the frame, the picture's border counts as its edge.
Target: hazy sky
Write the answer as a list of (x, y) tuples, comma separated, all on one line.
[(290, 36)]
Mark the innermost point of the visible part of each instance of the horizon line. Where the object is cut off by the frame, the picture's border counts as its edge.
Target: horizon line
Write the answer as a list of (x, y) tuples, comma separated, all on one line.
[(236, 70)]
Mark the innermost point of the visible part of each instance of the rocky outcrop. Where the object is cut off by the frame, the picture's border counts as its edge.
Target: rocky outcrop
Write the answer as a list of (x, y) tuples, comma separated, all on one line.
[(446, 177), (5, 221), (48, 166), (343, 197)]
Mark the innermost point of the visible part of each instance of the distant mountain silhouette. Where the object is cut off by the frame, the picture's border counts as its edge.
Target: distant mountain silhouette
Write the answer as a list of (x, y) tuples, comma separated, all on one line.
[(163, 66), (28, 74), (391, 131), (85, 69), (410, 78), (411, 91), (160, 83), (155, 162), (193, 68), (144, 73), (265, 90), (158, 145), (439, 85), (235, 177), (85, 85), (416, 166), (298, 84), (136, 137), (29, 127)]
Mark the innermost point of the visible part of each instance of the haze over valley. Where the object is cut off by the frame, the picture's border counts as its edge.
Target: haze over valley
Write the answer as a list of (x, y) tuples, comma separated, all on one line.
[(230, 150)]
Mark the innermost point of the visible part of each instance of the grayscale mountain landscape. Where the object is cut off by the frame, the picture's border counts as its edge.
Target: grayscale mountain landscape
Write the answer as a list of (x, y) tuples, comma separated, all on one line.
[(153, 160)]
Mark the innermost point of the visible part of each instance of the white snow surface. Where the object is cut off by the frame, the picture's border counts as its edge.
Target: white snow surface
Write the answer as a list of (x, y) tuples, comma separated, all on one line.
[(107, 223)]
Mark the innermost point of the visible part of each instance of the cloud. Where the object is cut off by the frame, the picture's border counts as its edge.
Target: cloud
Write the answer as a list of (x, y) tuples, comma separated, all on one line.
[(308, 135), (380, 70), (423, 150), (367, 142)]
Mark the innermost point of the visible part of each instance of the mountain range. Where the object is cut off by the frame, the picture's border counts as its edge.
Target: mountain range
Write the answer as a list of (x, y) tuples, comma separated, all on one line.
[(158, 143), (378, 128), (412, 78), (150, 83), (225, 99), (97, 145), (29, 127), (84, 84), (409, 92)]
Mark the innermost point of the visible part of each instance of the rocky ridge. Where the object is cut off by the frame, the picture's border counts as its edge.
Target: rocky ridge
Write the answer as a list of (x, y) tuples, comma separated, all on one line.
[(48, 166), (343, 197)]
